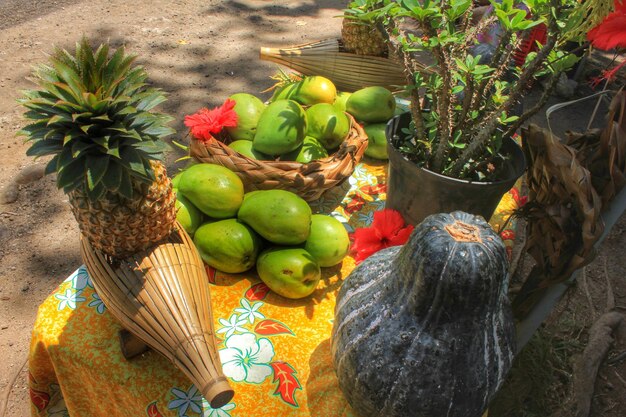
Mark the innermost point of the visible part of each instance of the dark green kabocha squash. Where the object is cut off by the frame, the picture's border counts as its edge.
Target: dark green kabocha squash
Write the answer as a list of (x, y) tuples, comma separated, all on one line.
[(426, 329)]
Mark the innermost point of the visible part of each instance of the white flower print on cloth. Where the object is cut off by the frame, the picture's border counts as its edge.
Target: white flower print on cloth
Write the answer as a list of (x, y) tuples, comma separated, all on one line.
[(80, 279), (186, 400), (223, 411), (97, 303), (249, 312), (69, 299), (232, 325), (361, 175), (246, 359)]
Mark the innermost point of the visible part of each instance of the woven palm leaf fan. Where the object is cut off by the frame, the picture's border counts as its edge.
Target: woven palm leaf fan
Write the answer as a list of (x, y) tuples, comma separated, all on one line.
[(162, 296), (349, 72), (603, 151), (562, 213), (570, 185)]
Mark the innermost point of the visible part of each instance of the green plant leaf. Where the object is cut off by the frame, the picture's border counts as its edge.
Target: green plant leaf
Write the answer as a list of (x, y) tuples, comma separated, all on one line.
[(79, 148), (44, 147), (70, 174), (150, 99), (33, 129), (114, 148), (96, 168), (113, 176), (69, 76), (51, 166), (59, 119), (65, 158), (529, 24), (132, 159), (96, 192), (125, 188)]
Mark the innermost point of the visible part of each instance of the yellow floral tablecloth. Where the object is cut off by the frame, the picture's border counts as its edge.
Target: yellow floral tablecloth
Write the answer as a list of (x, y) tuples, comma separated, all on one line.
[(275, 352)]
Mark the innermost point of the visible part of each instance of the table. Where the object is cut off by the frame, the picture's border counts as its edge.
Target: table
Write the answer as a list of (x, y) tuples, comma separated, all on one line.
[(275, 351)]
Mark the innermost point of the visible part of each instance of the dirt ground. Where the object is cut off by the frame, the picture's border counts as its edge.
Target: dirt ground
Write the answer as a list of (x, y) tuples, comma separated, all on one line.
[(200, 52)]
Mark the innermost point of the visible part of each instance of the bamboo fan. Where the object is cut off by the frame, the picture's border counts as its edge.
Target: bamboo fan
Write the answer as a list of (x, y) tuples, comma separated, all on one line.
[(349, 72), (162, 296)]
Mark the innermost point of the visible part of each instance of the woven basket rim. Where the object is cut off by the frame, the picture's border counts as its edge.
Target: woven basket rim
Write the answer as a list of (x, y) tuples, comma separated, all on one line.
[(310, 179), (352, 140)]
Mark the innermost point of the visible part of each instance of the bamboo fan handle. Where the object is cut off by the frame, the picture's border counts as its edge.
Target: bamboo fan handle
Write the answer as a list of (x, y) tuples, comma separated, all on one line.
[(162, 296), (219, 393)]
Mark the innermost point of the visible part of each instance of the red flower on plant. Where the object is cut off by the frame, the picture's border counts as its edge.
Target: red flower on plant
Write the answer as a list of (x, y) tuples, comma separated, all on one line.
[(608, 75), (387, 229), (611, 32), (205, 122)]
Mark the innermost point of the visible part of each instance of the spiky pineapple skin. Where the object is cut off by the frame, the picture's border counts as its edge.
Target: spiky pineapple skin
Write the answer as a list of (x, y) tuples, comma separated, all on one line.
[(121, 227), (362, 38)]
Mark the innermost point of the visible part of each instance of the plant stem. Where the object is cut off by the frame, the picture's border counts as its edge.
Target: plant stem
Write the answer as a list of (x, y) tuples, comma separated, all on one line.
[(443, 106), (409, 69), (488, 128), (467, 101), (533, 110)]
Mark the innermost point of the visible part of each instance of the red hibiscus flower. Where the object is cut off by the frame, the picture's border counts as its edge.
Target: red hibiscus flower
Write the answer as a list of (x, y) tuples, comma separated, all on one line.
[(387, 229), (611, 32), (205, 123), (607, 75)]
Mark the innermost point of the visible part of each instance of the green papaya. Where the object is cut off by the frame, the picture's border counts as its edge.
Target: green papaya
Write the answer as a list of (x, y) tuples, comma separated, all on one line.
[(280, 216), (176, 179), (371, 104), (284, 92), (290, 272), (340, 100), (311, 150), (188, 215), (245, 148), (281, 128), (228, 245), (214, 189), (376, 141), (248, 109), (314, 89), (327, 124)]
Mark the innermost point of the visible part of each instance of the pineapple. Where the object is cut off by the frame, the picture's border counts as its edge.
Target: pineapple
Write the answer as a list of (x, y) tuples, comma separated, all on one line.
[(92, 113), (360, 34)]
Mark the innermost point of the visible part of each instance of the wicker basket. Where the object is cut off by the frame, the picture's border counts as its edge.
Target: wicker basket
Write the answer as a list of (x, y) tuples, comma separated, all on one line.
[(161, 295), (349, 72), (309, 181)]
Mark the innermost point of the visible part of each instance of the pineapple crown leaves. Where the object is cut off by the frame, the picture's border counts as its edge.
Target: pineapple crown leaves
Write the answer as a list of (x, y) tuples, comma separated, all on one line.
[(92, 113), (283, 79), (360, 11)]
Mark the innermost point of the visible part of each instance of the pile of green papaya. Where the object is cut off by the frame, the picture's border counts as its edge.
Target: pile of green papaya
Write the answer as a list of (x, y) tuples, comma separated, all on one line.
[(305, 120), (274, 231)]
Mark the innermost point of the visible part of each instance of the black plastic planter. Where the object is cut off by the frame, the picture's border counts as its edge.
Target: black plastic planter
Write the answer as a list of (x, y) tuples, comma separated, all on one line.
[(417, 192)]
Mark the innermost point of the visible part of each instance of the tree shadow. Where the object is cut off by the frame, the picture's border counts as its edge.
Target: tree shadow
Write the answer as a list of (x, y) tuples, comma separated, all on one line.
[(16, 12)]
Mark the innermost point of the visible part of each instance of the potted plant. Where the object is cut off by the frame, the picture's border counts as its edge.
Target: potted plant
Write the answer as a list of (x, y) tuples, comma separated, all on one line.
[(467, 70)]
